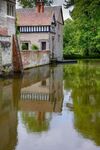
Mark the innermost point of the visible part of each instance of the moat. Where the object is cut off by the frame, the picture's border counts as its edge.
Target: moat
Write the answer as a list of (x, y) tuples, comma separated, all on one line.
[(34, 112)]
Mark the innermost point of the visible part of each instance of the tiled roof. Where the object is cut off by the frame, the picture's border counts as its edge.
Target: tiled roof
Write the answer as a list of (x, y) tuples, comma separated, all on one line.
[(30, 16)]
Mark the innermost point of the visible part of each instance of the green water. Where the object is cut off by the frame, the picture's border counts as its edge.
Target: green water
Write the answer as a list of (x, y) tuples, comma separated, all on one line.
[(34, 112)]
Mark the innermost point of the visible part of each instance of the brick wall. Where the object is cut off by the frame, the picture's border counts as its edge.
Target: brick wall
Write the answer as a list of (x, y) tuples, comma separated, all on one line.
[(34, 58), (7, 23)]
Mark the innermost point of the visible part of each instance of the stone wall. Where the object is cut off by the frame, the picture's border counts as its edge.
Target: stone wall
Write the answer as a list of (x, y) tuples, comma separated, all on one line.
[(7, 23), (3, 31), (7, 27), (11, 25), (3, 21), (56, 48), (34, 58), (5, 54)]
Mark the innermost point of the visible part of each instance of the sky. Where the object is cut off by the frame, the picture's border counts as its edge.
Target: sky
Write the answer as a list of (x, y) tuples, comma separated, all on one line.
[(57, 3)]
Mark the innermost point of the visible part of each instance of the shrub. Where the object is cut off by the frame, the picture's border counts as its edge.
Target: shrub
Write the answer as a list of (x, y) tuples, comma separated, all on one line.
[(24, 46), (34, 47)]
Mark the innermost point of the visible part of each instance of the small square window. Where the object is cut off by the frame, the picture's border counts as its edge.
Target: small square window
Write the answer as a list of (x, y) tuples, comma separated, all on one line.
[(43, 83), (43, 45), (25, 46)]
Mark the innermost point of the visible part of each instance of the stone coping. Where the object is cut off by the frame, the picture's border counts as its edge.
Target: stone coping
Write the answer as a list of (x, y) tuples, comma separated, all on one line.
[(35, 51)]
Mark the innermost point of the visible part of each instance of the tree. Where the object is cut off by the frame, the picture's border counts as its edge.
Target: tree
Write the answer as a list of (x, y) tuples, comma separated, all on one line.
[(32, 3), (85, 15), (71, 38)]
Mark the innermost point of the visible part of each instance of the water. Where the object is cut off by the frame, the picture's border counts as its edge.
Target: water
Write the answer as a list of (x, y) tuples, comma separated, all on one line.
[(52, 108)]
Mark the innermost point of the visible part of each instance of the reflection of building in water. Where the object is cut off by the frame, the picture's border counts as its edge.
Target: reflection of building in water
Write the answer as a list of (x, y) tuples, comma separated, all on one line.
[(45, 95), (8, 117), (41, 94)]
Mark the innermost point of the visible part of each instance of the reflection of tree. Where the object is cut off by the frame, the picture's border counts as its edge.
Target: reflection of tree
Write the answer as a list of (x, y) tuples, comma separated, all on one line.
[(84, 81), (35, 122)]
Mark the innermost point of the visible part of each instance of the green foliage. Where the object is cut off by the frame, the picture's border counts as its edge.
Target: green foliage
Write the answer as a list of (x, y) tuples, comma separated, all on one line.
[(71, 38), (83, 33), (32, 3), (24, 46), (34, 47)]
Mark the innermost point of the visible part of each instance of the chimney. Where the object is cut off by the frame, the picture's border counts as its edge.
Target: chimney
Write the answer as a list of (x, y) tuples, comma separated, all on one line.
[(40, 6)]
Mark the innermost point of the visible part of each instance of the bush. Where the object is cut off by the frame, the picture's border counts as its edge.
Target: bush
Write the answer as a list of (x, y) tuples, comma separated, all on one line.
[(34, 47), (24, 46)]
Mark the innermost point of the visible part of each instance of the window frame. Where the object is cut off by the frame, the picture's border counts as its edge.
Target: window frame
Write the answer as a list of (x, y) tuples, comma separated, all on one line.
[(42, 42), (10, 9), (27, 43)]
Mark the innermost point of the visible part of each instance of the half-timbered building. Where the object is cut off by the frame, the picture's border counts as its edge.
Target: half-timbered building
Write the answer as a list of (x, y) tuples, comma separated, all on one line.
[(42, 27)]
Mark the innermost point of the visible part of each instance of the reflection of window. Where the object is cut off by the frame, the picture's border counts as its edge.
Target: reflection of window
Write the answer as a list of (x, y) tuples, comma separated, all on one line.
[(43, 83), (25, 46), (10, 9), (43, 45)]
